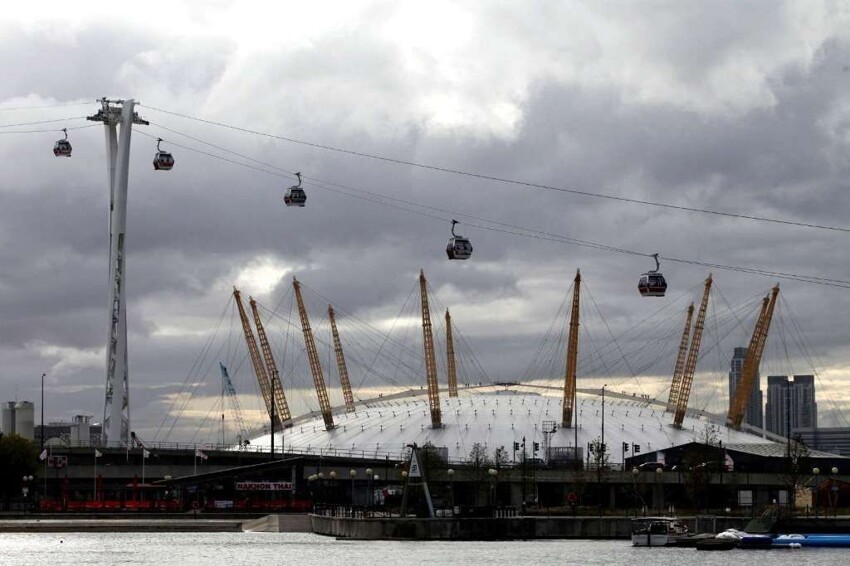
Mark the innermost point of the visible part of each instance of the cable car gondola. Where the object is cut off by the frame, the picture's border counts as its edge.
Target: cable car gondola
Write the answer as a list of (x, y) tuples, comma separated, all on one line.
[(62, 148), (652, 283), (295, 195), (162, 161), (458, 247)]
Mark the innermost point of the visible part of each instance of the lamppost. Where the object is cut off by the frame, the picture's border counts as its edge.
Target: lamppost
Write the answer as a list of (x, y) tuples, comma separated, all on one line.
[(311, 481), (816, 472), (353, 474), (371, 495), (635, 473), (451, 473), (658, 472), (494, 474), (25, 490), (833, 491), (42, 413)]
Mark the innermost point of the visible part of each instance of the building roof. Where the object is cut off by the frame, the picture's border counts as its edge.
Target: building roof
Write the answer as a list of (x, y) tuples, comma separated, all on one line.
[(497, 418)]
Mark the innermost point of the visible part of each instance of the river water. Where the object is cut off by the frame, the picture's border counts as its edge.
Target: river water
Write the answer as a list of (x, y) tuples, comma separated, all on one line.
[(261, 549)]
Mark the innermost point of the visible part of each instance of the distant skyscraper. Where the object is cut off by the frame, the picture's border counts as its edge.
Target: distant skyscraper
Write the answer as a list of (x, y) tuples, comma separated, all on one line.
[(790, 403), (753, 414)]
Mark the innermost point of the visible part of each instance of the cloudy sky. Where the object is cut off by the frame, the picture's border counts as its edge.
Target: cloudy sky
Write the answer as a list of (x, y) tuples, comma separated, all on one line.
[(736, 107)]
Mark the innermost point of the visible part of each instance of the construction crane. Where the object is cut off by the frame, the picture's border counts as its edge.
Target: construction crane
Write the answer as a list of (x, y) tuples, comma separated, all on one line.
[(228, 389), (313, 355), (691, 362), (281, 406), (572, 357), (738, 404), (256, 360), (451, 368), (340, 364), (430, 359), (676, 385)]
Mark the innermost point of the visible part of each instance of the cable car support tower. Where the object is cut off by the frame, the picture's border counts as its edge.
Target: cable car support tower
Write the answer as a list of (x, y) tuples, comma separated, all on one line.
[(116, 407)]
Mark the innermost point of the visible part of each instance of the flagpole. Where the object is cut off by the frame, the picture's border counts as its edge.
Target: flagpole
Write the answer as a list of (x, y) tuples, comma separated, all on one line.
[(144, 457), (95, 475), (195, 467)]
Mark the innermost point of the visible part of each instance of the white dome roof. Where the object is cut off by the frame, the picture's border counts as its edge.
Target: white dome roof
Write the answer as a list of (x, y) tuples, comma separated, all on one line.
[(494, 417)]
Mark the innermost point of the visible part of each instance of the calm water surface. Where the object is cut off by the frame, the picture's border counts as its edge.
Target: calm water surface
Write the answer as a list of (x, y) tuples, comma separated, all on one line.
[(260, 549)]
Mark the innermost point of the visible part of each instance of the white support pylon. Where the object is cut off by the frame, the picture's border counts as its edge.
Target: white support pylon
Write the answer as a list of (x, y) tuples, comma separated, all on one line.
[(116, 408)]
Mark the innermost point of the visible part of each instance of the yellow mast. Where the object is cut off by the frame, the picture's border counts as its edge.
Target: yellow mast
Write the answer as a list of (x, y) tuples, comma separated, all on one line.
[(313, 355), (693, 354), (282, 407), (256, 361), (451, 368), (430, 360), (738, 406), (676, 385), (340, 364), (572, 357)]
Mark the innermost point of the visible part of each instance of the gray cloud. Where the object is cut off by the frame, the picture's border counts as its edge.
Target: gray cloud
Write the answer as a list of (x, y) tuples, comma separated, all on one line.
[(692, 109)]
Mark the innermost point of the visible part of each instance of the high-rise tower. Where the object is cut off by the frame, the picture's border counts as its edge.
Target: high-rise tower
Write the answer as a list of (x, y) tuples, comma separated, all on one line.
[(754, 414)]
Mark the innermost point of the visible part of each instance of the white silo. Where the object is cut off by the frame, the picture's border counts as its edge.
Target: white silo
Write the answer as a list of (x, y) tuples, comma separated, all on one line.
[(7, 421), (25, 419)]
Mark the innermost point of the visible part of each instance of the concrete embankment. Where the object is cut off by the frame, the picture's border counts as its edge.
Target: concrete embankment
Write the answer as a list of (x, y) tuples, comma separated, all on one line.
[(509, 528), (292, 523), (137, 525)]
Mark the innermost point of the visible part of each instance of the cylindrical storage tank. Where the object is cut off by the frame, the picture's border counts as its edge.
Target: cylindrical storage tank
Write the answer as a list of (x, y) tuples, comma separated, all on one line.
[(7, 420), (25, 420)]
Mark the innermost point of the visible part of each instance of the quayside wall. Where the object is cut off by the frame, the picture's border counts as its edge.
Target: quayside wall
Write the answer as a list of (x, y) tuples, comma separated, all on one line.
[(491, 528)]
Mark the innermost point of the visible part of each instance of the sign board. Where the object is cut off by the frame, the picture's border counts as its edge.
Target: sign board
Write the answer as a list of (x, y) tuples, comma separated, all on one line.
[(415, 470), (57, 461), (223, 504), (264, 486)]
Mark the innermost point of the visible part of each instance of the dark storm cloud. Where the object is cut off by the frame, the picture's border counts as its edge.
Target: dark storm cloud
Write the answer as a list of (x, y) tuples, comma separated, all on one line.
[(776, 150)]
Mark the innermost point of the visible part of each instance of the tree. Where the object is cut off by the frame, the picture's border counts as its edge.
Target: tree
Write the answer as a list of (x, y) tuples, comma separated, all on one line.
[(19, 458), (500, 457), (797, 469), (430, 457)]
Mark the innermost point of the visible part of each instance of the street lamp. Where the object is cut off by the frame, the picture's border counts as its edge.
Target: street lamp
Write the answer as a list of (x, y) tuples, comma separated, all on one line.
[(493, 473), (25, 490), (833, 491), (371, 486), (658, 472), (353, 474), (451, 473), (635, 473), (816, 472)]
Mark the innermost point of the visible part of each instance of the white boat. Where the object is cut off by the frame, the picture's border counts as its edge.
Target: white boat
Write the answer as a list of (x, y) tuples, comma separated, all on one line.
[(657, 531)]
